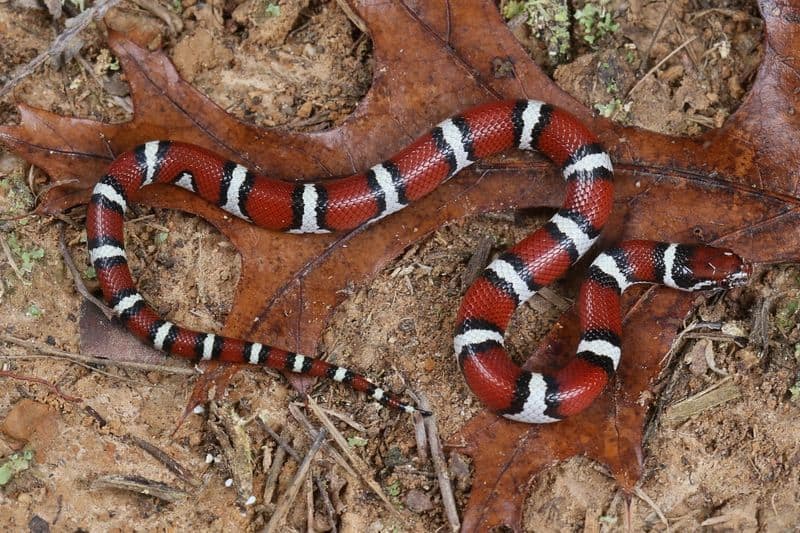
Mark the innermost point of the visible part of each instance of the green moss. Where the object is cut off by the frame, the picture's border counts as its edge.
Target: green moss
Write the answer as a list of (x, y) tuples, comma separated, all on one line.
[(271, 9), (787, 316), (596, 21), (15, 197), (357, 442), (14, 464), (549, 22), (28, 257)]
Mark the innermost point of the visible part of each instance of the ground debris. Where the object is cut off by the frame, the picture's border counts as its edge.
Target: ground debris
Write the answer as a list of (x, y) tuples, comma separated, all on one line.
[(141, 485)]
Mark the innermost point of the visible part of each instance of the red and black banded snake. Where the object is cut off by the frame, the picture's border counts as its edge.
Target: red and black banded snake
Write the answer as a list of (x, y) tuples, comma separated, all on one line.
[(510, 280)]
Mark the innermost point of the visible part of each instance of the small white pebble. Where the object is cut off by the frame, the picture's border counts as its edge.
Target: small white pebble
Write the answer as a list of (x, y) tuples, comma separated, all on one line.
[(209, 458), (199, 410), (229, 482), (250, 501)]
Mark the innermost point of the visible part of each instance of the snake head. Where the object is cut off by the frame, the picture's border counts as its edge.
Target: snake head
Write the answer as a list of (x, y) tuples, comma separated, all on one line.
[(718, 268)]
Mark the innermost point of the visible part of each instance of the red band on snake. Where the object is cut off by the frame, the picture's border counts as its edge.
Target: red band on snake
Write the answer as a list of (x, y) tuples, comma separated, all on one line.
[(349, 202)]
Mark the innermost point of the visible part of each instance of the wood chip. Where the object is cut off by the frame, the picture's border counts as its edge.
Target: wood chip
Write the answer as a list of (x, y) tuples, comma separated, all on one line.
[(164, 458), (476, 263), (235, 444), (722, 392), (142, 485)]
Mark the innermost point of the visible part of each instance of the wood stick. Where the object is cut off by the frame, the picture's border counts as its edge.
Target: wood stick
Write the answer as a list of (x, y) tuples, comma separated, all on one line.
[(277, 463), (361, 467), (76, 277), (285, 448), (440, 466), (164, 458), (336, 456), (276, 520)]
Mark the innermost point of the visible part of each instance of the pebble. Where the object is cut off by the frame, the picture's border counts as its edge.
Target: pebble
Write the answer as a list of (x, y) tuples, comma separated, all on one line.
[(417, 501)]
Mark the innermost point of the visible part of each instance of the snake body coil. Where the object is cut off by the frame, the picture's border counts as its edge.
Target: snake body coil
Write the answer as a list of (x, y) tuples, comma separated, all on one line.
[(346, 203)]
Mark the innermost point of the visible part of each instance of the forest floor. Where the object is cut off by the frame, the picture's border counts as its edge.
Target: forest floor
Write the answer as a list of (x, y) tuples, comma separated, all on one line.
[(305, 66)]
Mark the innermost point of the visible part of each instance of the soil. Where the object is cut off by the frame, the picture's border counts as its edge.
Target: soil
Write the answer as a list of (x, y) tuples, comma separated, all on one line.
[(735, 466)]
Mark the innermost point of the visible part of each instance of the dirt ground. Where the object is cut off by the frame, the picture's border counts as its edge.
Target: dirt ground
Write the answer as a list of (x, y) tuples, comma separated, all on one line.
[(305, 66)]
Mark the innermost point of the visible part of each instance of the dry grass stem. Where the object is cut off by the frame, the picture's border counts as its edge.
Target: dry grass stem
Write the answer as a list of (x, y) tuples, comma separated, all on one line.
[(638, 84), (332, 453), (284, 447), (642, 495), (10, 259)]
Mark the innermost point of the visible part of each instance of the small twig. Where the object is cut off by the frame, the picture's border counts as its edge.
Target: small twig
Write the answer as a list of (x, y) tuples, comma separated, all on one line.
[(357, 21), (685, 43), (731, 13), (309, 504), (344, 418), (59, 44), (10, 258), (141, 485), (655, 34), (642, 495), (52, 386), (741, 342), (333, 454), (361, 467), (18, 217), (89, 367), (89, 410), (31, 179), (172, 465), (722, 391), (420, 436), (440, 466), (689, 51), (276, 520), (76, 277), (80, 358), (283, 449), (277, 462)]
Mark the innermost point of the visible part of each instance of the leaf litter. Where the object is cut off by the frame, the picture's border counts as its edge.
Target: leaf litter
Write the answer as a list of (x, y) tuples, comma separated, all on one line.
[(383, 346)]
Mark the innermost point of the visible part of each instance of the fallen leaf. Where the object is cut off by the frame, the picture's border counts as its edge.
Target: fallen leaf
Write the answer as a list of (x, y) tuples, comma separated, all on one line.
[(101, 337)]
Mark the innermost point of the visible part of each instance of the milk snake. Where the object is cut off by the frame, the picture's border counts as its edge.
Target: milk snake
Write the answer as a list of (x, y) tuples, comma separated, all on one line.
[(346, 203)]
